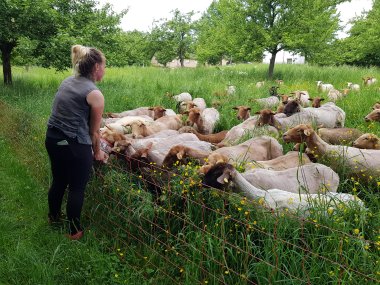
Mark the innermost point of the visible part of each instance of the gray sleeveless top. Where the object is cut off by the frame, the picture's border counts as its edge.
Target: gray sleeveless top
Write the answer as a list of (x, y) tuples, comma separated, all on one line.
[(71, 112)]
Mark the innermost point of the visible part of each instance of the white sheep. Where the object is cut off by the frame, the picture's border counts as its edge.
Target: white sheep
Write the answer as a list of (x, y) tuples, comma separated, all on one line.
[(204, 121), (185, 96), (324, 86), (278, 199), (352, 86), (334, 95)]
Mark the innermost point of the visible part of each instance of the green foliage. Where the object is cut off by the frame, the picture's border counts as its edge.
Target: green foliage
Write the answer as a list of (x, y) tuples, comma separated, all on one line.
[(173, 38)]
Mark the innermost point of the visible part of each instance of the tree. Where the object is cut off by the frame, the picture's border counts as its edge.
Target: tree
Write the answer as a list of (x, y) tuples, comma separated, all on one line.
[(293, 25), (22, 19), (50, 27), (173, 38), (363, 42)]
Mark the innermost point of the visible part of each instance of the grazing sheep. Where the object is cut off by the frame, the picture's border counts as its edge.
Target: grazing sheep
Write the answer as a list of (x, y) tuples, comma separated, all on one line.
[(373, 116), (324, 86), (339, 135), (277, 199), (243, 112), (211, 138), (353, 87), (368, 80), (289, 160), (367, 141), (183, 97), (302, 96), (268, 102), (205, 120), (357, 161), (333, 95), (316, 102)]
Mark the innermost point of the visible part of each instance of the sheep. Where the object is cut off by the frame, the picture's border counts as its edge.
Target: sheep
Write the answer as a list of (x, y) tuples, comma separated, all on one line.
[(367, 141), (368, 80), (211, 138), (316, 102), (200, 103), (140, 129), (231, 89), (309, 178), (339, 136), (181, 152), (292, 107), (357, 161), (278, 199), (373, 116), (376, 106), (243, 112), (183, 97), (257, 148), (153, 112), (324, 86), (248, 127), (334, 95), (329, 115), (289, 160), (268, 102), (205, 120), (279, 81), (260, 84), (185, 106), (302, 96), (352, 86), (122, 125)]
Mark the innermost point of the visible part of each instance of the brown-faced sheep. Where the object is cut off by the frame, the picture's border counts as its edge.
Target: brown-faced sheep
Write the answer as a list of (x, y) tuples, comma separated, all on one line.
[(367, 141)]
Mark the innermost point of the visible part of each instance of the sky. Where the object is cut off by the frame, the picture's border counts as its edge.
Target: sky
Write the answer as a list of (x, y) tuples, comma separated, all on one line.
[(142, 13)]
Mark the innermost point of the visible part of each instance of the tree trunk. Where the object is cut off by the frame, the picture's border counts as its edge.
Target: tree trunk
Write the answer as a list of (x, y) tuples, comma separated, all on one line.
[(271, 65), (6, 51)]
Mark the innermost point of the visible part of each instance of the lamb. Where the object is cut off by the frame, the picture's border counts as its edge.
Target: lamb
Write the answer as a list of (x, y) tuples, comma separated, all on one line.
[(324, 86), (211, 138), (352, 86), (316, 102), (367, 141), (373, 116), (357, 161), (183, 97), (278, 199), (368, 80), (302, 96), (334, 95), (339, 136), (205, 120), (243, 112)]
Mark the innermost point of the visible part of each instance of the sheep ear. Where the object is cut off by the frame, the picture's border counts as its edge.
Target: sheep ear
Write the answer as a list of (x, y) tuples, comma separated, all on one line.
[(310, 99), (234, 108), (307, 132), (322, 99), (249, 108)]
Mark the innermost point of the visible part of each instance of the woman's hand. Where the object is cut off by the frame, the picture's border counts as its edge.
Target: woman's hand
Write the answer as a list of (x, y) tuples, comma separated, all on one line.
[(101, 156)]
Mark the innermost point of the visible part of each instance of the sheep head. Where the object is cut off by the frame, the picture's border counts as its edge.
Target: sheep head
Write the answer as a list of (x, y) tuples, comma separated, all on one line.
[(266, 117), (243, 112), (367, 141), (219, 175), (298, 134), (373, 116)]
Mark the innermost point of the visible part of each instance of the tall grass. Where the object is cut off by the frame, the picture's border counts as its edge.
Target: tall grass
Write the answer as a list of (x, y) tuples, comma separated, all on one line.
[(176, 239)]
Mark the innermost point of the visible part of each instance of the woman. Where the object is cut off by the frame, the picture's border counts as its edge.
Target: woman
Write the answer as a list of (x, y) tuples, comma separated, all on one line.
[(72, 137)]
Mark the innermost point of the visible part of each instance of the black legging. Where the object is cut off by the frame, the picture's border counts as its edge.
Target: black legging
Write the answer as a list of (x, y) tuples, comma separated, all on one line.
[(71, 166)]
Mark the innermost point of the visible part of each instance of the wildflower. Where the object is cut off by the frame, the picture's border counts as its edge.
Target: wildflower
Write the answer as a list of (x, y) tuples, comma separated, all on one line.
[(356, 231), (330, 210), (239, 209), (116, 275), (181, 270), (226, 272), (246, 213)]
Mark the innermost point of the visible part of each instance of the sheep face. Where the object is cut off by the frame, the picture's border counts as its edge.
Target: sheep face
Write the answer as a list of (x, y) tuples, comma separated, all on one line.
[(219, 175), (373, 116), (266, 117), (316, 102), (194, 116), (243, 112), (367, 141), (292, 107), (298, 134), (158, 112)]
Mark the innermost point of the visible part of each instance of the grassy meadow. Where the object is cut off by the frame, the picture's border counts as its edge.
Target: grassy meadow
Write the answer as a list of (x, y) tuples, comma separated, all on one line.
[(189, 234)]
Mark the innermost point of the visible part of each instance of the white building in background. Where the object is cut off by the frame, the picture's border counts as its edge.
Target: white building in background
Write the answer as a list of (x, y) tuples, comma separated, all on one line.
[(285, 57)]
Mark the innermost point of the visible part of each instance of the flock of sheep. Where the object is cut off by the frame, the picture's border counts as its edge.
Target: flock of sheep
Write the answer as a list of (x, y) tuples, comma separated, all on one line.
[(296, 181)]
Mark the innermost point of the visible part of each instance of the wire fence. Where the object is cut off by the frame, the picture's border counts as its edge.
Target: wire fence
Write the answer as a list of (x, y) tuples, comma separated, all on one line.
[(181, 231)]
